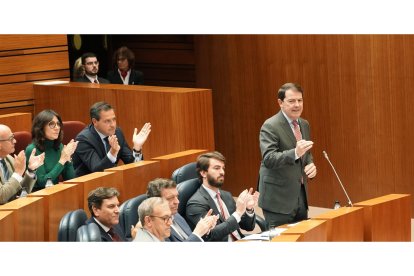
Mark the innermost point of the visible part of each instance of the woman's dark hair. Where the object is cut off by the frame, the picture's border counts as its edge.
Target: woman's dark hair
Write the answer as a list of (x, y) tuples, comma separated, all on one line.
[(124, 52), (38, 134)]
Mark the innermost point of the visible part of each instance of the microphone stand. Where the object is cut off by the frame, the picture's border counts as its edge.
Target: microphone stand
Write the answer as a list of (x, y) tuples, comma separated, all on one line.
[(340, 182)]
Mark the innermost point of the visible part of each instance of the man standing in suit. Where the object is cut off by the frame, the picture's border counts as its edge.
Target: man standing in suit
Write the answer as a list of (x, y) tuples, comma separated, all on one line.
[(286, 160), (13, 174), (102, 143), (91, 65), (155, 217), (180, 231), (233, 215), (103, 204)]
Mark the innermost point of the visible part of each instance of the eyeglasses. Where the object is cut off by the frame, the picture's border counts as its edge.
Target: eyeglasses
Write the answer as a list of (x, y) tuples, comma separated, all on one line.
[(10, 139), (92, 63), (165, 218), (53, 124)]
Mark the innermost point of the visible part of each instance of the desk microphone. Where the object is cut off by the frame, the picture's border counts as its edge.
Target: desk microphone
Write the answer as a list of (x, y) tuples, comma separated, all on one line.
[(340, 182)]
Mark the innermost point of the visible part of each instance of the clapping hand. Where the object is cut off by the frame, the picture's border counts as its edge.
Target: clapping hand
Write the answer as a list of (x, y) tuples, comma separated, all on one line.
[(35, 161), (252, 199), (139, 139)]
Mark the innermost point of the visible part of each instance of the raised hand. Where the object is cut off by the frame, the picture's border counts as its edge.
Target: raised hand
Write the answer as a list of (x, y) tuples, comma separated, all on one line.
[(35, 161), (138, 139), (241, 202), (115, 147), (302, 146), (252, 199), (20, 163), (206, 224)]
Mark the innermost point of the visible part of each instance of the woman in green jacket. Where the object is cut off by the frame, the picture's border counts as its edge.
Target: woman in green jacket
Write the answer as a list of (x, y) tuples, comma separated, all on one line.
[(47, 134)]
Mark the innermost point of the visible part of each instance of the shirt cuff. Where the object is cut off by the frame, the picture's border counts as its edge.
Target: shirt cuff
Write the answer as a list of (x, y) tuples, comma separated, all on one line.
[(137, 155), (111, 157), (198, 237), (237, 217), (17, 176)]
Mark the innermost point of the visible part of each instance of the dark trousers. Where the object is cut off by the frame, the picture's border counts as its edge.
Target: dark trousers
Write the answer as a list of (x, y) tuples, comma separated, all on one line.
[(299, 213)]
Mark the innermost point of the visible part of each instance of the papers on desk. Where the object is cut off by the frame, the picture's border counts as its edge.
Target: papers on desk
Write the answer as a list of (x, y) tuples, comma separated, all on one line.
[(264, 236)]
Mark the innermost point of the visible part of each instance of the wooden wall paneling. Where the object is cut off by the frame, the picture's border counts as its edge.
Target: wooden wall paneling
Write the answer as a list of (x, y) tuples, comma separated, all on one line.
[(170, 110), (357, 101), (28, 58), (17, 121), (10, 42)]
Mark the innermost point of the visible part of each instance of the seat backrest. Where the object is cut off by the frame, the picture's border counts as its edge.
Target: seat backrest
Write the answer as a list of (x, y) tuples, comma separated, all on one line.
[(186, 172), (88, 233), (70, 223), (186, 189), (71, 129), (23, 139), (128, 214)]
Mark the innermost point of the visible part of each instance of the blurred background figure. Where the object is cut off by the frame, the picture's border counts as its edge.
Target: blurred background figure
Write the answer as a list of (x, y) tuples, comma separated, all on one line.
[(78, 69), (123, 71)]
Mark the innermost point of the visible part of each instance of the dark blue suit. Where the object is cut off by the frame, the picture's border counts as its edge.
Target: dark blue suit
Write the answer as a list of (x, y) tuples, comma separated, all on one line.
[(175, 237), (105, 237), (90, 155)]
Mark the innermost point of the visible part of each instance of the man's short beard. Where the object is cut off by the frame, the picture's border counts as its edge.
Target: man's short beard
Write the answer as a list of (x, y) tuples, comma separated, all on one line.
[(213, 182)]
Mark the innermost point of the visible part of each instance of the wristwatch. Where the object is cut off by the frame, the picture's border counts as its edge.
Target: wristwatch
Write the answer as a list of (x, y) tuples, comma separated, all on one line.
[(31, 171), (136, 151)]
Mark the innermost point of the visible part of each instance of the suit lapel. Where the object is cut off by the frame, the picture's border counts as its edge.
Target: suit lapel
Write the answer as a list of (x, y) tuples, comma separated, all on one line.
[(284, 124), (211, 203), (98, 140)]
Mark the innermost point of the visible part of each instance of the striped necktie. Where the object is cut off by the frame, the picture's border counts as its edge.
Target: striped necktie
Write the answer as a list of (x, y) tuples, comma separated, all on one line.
[(6, 172)]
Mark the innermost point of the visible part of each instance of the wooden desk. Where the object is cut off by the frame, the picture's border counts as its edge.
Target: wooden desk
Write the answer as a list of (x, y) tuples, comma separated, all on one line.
[(309, 230), (171, 162), (287, 238), (58, 200), (344, 224), (28, 218), (17, 121), (387, 218), (7, 225), (181, 118), (135, 177), (92, 181)]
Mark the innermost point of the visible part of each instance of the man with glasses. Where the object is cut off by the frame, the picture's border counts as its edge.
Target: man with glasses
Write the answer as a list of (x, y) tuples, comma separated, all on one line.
[(102, 144), (13, 174), (180, 230), (156, 219), (91, 65), (286, 160)]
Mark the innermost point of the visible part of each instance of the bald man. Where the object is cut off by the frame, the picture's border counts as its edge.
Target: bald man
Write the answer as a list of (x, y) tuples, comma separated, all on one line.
[(13, 174)]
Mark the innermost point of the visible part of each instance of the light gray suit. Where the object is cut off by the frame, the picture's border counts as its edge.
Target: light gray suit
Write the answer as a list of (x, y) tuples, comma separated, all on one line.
[(144, 236), (280, 174), (9, 189)]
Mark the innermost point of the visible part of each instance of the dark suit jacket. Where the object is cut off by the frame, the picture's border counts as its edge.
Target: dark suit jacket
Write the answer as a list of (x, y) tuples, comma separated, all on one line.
[(85, 79), (136, 77), (175, 237), (280, 174), (90, 155), (105, 237), (198, 206)]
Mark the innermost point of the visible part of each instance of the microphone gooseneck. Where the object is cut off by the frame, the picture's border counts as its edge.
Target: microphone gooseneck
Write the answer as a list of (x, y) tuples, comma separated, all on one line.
[(340, 182)]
